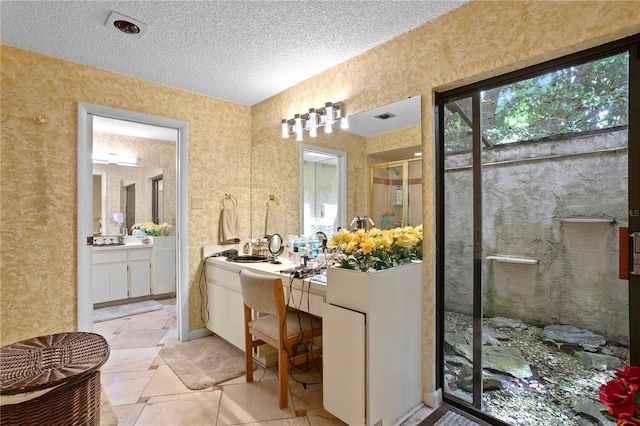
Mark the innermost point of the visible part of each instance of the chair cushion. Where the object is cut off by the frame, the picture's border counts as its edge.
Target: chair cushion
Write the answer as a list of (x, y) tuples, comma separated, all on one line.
[(296, 320)]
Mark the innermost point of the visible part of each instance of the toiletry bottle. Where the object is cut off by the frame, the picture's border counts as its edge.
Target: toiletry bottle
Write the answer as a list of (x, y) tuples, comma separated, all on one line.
[(296, 252), (291, 242), (304, 249)]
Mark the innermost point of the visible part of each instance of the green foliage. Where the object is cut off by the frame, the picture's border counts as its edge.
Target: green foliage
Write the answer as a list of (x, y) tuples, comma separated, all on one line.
[(558, 344), (576, 99)]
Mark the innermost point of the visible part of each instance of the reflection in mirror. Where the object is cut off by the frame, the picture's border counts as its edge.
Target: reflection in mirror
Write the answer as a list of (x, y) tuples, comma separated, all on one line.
[(396, 193), (324, 187), (275, 165), (137, 162), (393, 136)]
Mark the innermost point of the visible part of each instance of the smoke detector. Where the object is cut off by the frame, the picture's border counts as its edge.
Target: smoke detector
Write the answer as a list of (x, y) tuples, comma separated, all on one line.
[(131, 27)]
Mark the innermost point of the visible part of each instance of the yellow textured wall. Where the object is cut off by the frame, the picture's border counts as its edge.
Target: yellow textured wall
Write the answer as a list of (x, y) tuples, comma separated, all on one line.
[(38, 175), (38, 189), (473, 42), (403, 138)]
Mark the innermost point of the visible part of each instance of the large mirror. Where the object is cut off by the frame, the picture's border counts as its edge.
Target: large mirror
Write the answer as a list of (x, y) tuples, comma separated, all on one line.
[(389, 133), (134, 168)]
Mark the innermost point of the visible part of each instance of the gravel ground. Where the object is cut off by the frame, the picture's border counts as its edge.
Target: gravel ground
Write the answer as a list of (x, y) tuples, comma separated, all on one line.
[(559, 383)]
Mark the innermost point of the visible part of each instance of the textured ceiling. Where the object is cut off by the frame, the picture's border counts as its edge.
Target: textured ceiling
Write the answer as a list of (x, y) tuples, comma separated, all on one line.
[(240, 51)]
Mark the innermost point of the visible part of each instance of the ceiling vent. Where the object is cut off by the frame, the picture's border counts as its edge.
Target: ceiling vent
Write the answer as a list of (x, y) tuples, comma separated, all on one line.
[(131, 27), (384, 116)]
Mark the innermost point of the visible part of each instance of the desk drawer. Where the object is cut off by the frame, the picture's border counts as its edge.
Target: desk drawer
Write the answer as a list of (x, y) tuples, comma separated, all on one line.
[(223, 277)]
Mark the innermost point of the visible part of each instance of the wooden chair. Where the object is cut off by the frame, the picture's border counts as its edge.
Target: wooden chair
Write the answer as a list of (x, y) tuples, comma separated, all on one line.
[(264, 294)]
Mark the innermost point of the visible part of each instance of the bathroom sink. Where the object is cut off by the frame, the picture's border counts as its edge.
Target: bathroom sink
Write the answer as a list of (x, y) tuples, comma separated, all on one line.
[(246, 258)]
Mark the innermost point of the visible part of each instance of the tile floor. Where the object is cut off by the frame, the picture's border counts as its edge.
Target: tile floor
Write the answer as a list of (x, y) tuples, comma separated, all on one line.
[(143, 390)]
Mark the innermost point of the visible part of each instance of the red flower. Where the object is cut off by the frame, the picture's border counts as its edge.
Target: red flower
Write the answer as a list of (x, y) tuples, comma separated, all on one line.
[(619, 396), (632, 375), (626, 420)]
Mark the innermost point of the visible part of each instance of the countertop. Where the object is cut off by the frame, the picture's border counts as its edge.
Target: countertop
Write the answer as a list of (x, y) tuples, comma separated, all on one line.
[(317, 285), (127, 246)]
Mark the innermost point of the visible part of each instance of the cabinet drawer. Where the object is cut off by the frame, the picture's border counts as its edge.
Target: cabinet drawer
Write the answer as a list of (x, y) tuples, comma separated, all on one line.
[(110, 257), (224, 277), (139, 254)]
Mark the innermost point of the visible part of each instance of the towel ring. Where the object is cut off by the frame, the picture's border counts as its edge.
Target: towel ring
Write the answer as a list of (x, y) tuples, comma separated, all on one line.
[(229, 197), (274, 199)]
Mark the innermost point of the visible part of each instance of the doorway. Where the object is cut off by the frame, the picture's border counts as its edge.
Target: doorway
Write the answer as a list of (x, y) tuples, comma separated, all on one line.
[(157, 200), (534, 198), (86, 113), (130, 205)]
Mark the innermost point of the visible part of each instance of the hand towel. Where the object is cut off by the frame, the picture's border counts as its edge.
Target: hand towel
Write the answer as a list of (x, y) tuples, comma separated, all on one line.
[(270, 226), (228, 227)]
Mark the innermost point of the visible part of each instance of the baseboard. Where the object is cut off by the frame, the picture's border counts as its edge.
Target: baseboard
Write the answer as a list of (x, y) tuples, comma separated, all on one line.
[(409, 414), (196, 334), (432, 399)]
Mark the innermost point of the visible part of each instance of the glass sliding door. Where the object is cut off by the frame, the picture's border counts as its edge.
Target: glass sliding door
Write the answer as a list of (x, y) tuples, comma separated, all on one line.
[(535, 196), (458, 266)]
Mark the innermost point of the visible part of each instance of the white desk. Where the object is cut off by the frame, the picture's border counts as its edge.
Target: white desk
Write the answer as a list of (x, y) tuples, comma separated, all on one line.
[(226, 311), (379, 337)]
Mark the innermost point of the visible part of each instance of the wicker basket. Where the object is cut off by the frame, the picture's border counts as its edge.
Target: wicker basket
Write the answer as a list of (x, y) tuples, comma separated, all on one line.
[(65, 367)]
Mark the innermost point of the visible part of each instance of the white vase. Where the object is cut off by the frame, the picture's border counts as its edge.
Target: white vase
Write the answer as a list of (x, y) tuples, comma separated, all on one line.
[(372, 344)]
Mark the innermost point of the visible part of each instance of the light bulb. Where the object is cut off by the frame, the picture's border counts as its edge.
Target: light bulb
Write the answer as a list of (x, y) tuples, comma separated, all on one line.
[(328, 122), (337, 111), (298, 127), (312, 123), (285, 128)]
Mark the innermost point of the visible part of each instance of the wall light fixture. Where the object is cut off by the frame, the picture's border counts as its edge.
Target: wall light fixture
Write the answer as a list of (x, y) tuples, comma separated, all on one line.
[(111, 158), (316, 117)]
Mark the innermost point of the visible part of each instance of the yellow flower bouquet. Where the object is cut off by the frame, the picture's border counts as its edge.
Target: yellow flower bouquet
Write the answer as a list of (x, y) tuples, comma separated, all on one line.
[(154, 230), (377, 249)]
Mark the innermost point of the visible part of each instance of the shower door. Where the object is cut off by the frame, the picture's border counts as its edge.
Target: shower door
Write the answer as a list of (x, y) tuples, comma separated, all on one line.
[(396, 194), (535, 200)]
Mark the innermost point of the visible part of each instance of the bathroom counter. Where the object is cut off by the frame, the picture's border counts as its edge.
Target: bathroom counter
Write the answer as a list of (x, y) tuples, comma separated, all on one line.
[(225, 305), (134, 270), (127, 246), (376, 341), (310, 284)]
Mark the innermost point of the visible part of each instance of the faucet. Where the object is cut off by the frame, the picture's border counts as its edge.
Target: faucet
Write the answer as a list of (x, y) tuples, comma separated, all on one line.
[(322, 238)]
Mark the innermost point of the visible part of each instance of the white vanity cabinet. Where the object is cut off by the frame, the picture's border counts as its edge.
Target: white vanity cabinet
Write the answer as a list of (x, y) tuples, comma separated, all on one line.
[(120, 273), (164, 265), (226, 308), (110, 280), (372, 337), (139, 272)]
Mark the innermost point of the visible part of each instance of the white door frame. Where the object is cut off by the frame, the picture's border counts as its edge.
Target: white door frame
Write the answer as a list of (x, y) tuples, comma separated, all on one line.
[(85, 210)]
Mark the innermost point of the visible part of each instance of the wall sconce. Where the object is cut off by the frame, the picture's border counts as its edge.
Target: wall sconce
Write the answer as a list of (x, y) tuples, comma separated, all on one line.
[(316, 117), (111, 158)]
